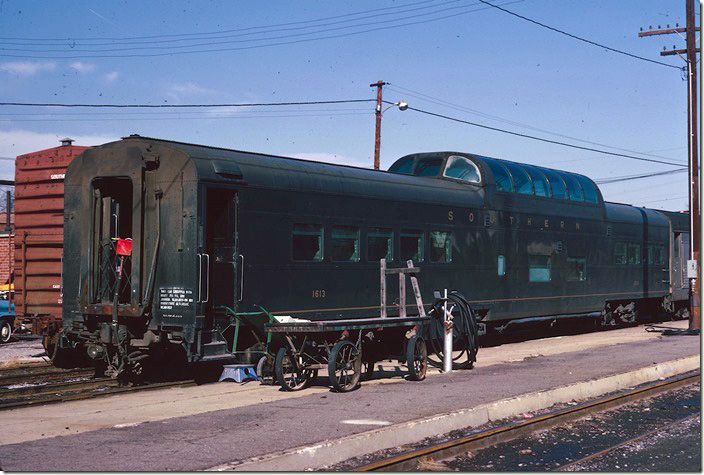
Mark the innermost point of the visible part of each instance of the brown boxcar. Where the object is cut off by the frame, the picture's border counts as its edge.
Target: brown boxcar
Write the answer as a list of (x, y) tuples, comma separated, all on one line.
[(39, 227)]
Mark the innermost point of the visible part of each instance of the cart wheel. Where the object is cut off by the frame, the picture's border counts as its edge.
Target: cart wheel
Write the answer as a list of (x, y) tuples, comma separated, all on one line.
[(344, 366), (286, 373), (5, 332), (417, 358), (265, 371)]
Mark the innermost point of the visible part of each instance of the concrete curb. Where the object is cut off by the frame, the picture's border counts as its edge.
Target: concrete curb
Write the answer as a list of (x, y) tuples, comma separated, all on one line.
[(333, 451)]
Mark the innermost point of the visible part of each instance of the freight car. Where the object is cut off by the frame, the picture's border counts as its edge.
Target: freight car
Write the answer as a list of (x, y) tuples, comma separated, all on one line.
[(218, 232), (39, 221)]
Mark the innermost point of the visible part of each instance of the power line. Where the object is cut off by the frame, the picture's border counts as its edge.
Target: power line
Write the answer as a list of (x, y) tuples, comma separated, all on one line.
[(451, 105), (607, 181), (664, 199), (241, 31), (181, 117), (165, 106), (579, 37), (532, 137), (241, 48), (319, 29), (172, 35)]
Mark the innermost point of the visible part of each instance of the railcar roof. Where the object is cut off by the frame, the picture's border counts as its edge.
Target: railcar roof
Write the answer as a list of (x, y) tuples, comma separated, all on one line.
[(507, 176), (212, 152), (279, 172)]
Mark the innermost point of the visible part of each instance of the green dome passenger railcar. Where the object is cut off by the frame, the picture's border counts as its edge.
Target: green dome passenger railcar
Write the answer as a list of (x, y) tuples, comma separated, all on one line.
[(214, 228)]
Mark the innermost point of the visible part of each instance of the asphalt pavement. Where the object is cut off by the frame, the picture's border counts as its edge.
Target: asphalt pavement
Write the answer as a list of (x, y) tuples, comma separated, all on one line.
[(204, 440)]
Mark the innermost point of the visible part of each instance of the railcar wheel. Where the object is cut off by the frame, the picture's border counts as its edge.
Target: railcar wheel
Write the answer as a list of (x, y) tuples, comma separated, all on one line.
[(417, 358), (286, 374), (5, 332), (344, 366)]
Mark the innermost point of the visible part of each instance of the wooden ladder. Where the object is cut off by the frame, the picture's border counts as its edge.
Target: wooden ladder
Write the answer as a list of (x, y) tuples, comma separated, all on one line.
[(402, 271)]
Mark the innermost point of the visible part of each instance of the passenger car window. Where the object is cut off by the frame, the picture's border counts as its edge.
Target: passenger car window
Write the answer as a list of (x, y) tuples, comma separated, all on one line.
[(576, 269), (440, 246), (634, 254), (620, 253), (307, 242), (556, 184), (540, 183), (345, 243), (380, 244), (412, 245), (501, 266), (503, 180), (521, 180), (538, 268), (462, 168)]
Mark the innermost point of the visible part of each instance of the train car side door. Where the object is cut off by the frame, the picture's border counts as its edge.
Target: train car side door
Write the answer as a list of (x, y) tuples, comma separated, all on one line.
[(217, 257), (221, 247)]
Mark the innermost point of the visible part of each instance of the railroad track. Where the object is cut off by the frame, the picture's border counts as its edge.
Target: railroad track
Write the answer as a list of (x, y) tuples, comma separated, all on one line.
[(29, 386), (428, 455), (39, 373), (643, 437)]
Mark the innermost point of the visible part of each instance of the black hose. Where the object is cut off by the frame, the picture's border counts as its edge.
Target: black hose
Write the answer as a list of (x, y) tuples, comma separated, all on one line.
[(467, 340)]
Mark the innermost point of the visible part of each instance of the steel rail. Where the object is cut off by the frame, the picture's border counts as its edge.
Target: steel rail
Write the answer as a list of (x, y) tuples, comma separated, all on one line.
[(40, 374), (76, 390), (649, 434), (409, 460)]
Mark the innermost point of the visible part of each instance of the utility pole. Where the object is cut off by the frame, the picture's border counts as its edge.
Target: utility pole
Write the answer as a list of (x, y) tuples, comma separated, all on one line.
[(692, 142), (377, 142)]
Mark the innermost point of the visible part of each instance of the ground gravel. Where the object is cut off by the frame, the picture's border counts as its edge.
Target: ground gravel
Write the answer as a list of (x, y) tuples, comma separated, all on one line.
[(22, 351)]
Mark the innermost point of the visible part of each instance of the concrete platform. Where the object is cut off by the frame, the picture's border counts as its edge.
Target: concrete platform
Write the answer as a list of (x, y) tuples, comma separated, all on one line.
[(223, 425)]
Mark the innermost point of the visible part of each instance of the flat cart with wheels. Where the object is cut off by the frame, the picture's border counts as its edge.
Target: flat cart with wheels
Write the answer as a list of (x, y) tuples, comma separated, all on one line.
[(254, 322), (343, 346)]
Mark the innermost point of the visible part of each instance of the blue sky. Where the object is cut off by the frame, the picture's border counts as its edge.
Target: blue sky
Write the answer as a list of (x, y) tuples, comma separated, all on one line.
[(458, 58)]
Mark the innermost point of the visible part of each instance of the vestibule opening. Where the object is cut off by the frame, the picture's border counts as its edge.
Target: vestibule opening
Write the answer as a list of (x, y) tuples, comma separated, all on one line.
[(112, 220)]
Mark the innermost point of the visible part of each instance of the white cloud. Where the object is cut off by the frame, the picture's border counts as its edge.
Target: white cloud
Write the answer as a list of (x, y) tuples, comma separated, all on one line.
[(111, 76), (19, 142), (81, 67), (178, 92), (27, 68), (333, 158)]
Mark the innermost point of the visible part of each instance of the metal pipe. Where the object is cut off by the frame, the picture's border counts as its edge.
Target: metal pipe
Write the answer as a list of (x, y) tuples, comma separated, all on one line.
[(447, 351), (152, 270)]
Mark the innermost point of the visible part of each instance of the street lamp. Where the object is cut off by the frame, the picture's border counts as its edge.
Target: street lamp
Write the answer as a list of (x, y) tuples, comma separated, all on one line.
[(402, 105)]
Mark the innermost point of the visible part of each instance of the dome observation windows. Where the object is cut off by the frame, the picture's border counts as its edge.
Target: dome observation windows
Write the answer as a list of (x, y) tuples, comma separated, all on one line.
[(590, 193), (576, 193), (501, 176), (540, 183), (462, 168), (428, 166), (403, 165), (556, 184), (521, 180)]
